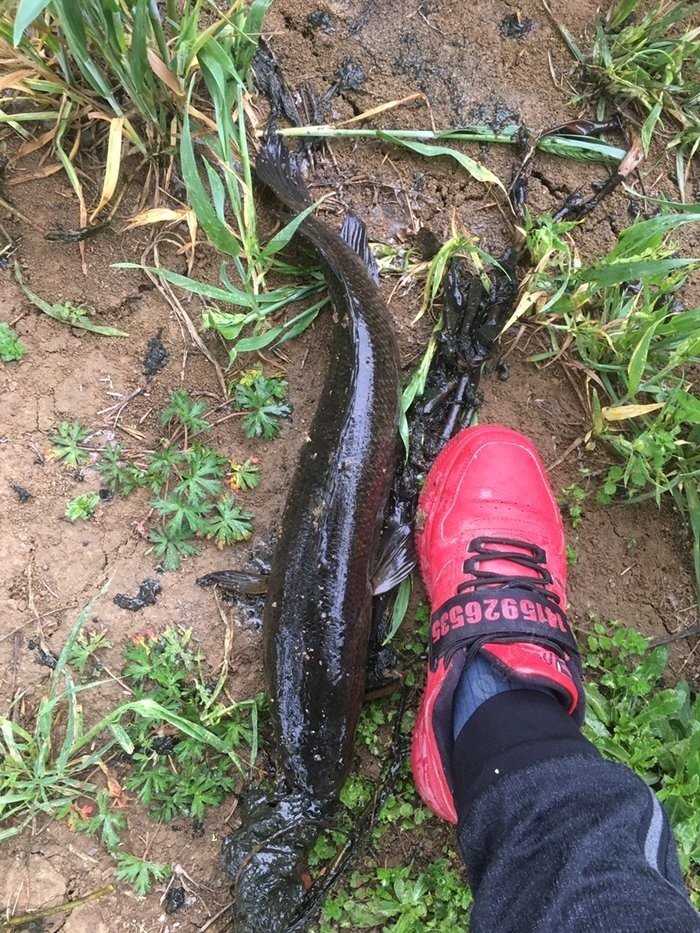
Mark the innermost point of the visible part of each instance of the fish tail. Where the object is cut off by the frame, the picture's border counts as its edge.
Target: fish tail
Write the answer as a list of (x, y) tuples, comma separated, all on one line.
[(266, 859), (277, 168)]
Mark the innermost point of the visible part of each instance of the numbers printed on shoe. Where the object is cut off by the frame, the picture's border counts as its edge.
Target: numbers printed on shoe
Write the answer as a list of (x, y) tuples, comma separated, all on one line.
[(512, 615)]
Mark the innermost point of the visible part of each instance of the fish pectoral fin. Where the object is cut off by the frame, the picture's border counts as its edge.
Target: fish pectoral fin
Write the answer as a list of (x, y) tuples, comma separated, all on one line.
[(236, 581), (396, 558), (354, 233)]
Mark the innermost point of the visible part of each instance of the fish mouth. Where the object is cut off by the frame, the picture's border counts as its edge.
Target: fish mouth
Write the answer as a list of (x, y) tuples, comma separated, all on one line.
[(266, 859)]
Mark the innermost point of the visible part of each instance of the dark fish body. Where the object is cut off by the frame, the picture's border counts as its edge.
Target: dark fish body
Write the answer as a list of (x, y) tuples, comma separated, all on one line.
[(316, 625), (317, 620)]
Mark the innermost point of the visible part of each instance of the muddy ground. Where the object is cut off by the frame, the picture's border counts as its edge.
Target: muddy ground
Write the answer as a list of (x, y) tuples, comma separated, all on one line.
[(633, 564)]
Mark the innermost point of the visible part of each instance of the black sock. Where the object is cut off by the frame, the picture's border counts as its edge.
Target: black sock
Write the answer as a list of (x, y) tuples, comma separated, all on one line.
[(506, 733)]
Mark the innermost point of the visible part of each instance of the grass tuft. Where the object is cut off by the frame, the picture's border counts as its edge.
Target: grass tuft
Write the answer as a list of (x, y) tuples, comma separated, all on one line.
[(639, 347), (651, 61)]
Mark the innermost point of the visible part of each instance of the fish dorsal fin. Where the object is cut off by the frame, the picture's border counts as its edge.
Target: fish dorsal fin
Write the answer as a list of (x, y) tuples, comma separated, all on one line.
[(396, 558), (354, 233)]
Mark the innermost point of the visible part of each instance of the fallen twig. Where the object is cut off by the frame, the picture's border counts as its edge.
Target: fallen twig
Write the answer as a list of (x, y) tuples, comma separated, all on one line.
[(23, 919)]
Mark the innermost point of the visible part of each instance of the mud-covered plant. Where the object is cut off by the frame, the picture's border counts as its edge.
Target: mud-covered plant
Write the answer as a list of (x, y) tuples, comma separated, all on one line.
[(651, 59), (422, 142), (264, 398), (11, 347), (68, 447), (82, 507)]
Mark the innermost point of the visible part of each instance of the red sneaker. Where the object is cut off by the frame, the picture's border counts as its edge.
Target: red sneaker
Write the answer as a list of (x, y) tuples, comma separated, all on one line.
[(491, 549)]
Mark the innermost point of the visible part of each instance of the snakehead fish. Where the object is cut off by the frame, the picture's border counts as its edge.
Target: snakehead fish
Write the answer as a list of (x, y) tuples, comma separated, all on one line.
[(316, 625)]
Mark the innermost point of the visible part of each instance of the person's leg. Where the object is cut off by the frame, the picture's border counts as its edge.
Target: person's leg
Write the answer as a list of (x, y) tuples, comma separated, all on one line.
[(568, 843), (552, 836)]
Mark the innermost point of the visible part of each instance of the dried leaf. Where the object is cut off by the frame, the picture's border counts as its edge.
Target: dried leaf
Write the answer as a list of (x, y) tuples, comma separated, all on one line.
[(158, 215), (114, 158), (382, 108), (622, 412), (14, 79), (161, 70), (633, 157)]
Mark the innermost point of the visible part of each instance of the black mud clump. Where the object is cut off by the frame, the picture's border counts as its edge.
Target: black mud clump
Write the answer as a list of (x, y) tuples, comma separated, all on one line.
[(44, 657), (146, 596), (174, 898), (498, 116), (156, 356), (350, 74), (320, 19), (513, 27), (266, 859), (22, 494)]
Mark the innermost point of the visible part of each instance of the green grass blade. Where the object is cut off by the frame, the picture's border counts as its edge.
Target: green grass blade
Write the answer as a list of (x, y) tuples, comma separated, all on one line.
[(638, 359), (8, 730), (122, 737), (398, 613), (416, 384), (27, 12), (615, 273), (622, 11), (283, 236), (218, 232), (251, 33), (72, 719), (693, 501), (233, 296), (474, 168)]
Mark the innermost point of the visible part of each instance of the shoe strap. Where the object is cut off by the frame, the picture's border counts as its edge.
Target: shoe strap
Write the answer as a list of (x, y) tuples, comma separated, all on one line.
[(500, 615)]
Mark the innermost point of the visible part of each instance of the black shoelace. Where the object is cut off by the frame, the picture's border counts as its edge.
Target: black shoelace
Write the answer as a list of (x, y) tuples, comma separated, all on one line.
[(535, 560)]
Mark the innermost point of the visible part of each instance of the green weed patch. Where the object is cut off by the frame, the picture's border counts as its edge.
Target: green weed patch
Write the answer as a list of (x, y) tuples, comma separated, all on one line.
[(639, 346), (185, 748)]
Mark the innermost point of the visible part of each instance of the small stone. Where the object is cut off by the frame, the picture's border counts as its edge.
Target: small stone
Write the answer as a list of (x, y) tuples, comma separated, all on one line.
[(37, 883), (85, 919)]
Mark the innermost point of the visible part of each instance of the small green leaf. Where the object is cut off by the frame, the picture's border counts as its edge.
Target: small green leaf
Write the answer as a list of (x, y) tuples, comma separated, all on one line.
[(649, 126), (474, 168), (638, 359), (11, 348)]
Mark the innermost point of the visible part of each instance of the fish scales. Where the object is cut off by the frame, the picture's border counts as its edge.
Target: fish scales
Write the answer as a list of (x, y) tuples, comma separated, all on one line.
[(316, 625)]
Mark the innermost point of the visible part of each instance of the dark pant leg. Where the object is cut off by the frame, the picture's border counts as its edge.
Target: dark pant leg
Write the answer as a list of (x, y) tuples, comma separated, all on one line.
[(555, 838)]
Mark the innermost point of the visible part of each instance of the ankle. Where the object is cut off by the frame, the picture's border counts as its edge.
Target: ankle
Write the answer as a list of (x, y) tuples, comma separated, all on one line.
[(507, 733)]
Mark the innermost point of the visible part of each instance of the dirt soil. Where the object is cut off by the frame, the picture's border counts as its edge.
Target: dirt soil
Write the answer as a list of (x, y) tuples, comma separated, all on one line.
[(634, 563)]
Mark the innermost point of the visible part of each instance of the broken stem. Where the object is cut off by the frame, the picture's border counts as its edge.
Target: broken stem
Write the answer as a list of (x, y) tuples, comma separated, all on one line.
[(23, 919), (573, 147)]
